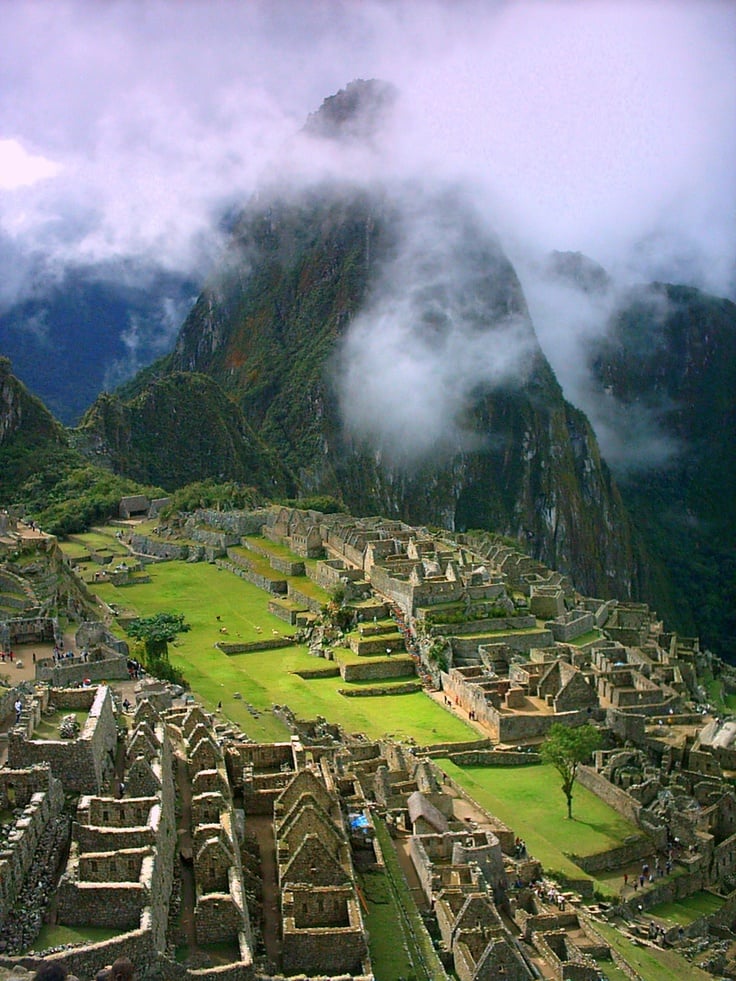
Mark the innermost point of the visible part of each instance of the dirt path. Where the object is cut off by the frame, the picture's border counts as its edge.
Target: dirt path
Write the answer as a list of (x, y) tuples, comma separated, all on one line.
[(262, 826), (184, 852)]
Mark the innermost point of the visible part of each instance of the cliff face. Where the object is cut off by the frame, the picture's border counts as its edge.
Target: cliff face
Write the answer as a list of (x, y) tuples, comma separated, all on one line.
[(666, 369), (29, 435), (326, 305)]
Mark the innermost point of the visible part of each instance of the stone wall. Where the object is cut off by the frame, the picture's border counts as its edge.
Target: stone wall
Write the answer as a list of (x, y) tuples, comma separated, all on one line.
[(486, 625), (571, 625), (522, 642), (82, 764), (490, 757), (628, 726), (312, 604), (239, 565), (143, 545), (236, 522), (615, 797), (272, 644), (85, 962), (74, 671), (17, 851)]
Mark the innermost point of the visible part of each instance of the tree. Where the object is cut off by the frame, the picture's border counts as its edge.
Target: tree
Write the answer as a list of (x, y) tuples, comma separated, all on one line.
[(157, 632), (566, 748)]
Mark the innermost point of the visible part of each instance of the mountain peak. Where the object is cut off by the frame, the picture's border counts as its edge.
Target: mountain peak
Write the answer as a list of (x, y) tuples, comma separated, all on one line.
[(353, 113)]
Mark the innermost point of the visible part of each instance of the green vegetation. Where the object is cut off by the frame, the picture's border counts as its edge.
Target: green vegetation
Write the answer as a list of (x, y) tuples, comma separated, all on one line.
[(389, 958), (157, 632), (58, 936), (227, 496), (685, 911), (319, 502), (651, 963), (565, 748), (48, 727), (264, 678), (415, 943), (461, 615), (521, 797)]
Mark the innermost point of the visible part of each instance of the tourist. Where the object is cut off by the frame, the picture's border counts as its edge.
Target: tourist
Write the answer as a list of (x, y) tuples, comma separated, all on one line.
[(51, 971), (121, 970), (18, 709)]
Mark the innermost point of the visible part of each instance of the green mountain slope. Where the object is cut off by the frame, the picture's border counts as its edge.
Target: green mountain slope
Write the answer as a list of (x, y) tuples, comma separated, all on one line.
[(180, 429)]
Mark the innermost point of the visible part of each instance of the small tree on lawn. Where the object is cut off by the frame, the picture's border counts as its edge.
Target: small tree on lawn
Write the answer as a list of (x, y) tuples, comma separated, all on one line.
[(157, 632), (566, 748)]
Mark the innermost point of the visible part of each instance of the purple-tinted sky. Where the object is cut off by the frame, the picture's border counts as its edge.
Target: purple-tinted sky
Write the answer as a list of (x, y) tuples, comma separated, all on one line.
[(606, 127)]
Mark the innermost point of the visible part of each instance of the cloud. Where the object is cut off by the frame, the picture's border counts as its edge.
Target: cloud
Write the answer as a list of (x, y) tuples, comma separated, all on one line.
[(19, 168), (446, 324), (603, 127)]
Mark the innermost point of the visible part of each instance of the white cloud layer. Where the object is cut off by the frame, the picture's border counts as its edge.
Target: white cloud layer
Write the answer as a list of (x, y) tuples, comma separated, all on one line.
[(604, 127)]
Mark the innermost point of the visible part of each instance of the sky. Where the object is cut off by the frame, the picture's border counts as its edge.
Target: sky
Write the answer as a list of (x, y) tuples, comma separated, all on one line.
[(128, 129)]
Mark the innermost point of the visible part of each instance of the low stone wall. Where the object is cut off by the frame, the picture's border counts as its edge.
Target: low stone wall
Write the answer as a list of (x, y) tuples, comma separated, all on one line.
[(272, 644), (375, 669), (616, 858), (76, 670), (377, 645), (286, 610), (309, 602), (447, 749), (615, 797), (408, 689), (490, 757), (331, 672), (239, 566)]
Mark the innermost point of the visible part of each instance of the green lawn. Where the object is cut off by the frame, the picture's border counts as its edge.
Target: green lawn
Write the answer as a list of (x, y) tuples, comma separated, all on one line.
[(48, 727), (101, 542), (529, 800), (57, 936), (202, 592)]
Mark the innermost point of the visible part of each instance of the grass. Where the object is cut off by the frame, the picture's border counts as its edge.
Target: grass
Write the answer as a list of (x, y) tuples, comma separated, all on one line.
[(99, 542), (389, 959), (686, 911), (57, 936), (529, 800), (48, 727), (651, 963), (586, 638), (415, 941), (202, 592)]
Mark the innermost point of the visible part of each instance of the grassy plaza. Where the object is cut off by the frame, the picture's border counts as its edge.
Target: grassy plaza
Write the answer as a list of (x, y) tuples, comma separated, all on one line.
[(529, 800), (203, 592)]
